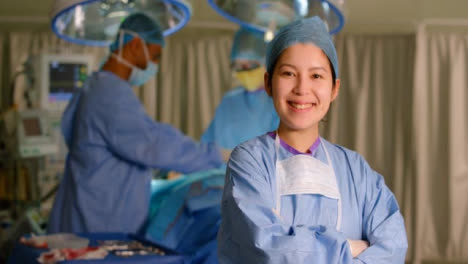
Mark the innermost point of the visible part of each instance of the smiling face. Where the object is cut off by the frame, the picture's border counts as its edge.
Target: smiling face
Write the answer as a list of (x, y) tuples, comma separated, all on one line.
[(302, 87)]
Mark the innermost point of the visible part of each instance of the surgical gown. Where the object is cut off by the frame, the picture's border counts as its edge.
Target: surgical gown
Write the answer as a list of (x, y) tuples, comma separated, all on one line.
[(113, 145), (241, 116), (305, 231)]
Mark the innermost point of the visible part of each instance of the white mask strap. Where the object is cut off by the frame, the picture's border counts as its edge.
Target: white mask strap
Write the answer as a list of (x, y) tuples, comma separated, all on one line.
[(145, 50), (121, 36), (122, 60), (277, 209)]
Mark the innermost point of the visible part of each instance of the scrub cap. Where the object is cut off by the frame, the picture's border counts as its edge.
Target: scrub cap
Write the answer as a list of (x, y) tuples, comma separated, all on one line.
[(248, 45), (144, 26), (309, 30)]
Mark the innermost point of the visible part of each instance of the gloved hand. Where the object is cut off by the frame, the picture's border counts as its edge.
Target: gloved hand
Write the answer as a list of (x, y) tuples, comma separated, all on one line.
[(357, 246)]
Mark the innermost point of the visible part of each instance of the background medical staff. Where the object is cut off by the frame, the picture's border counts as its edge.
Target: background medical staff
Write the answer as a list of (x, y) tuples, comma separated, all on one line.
[(113, 143), (292, 196), (246, 111)]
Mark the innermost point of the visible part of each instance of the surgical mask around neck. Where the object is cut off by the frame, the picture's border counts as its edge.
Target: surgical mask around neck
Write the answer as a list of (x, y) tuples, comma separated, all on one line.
[(251, 80), (137, 76), (305, 174)]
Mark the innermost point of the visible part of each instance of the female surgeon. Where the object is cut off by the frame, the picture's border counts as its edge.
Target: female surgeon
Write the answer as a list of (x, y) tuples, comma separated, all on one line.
[(291, 196)]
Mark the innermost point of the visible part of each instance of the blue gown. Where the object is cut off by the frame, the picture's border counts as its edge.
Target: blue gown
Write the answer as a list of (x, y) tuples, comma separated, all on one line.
[(113, 145), (241, 116), (251, 232)]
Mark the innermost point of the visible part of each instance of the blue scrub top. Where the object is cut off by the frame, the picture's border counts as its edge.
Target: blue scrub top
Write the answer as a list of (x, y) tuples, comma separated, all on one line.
[(251, 232), (241, 116), (113, 145)]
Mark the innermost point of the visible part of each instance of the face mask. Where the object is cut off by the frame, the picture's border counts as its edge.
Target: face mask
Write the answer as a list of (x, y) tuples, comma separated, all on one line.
[(304, 174), (137, 76), (251, 80)]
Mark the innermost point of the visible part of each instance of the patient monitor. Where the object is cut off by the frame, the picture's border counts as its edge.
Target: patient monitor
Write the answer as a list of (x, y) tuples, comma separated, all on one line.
[(58, 76)]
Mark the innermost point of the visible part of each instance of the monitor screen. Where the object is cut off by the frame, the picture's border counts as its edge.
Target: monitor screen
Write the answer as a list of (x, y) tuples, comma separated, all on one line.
[(32, 126), (65, 78)]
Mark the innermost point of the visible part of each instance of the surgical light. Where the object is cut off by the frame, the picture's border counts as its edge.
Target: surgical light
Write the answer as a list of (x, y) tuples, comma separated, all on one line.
[(269, 16), (96, 22)]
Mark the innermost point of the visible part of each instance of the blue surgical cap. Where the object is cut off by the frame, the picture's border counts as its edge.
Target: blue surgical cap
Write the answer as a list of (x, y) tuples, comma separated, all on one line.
[(308, 30), (144, 26), (248, 45)]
